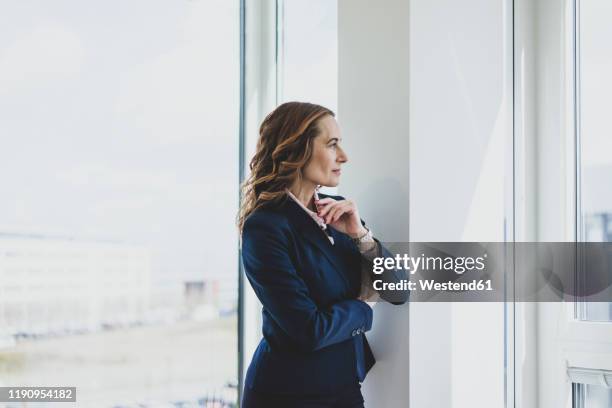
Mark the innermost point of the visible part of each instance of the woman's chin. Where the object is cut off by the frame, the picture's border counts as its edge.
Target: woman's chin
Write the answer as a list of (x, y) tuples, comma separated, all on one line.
[(331, 183)]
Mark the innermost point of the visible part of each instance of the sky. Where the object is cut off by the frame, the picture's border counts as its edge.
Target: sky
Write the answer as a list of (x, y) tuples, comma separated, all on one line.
[(119, 121)]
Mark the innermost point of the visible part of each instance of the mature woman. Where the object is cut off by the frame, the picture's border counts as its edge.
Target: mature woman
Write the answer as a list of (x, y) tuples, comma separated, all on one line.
[(306, 255)]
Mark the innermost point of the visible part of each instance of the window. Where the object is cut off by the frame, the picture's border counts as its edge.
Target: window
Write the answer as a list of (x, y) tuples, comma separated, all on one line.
[(590, 369), (594, 62), (118, 171), (591, 396), (569, 355), (308, 52)]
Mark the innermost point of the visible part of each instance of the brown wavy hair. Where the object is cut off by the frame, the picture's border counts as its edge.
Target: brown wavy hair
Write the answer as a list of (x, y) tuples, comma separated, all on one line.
[(283, 149)]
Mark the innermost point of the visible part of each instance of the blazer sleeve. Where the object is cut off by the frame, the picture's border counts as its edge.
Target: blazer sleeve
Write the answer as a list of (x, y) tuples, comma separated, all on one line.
[(283, 293), (388, 276), (395, 297)]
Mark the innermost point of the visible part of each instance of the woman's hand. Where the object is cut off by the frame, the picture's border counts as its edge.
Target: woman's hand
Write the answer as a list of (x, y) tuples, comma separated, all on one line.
[(342, 215)]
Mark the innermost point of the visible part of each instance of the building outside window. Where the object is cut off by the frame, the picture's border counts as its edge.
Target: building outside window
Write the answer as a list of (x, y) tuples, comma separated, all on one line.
[(118, 170)]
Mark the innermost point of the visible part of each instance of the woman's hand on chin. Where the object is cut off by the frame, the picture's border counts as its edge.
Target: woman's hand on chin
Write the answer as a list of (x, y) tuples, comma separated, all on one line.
[(343, 215)]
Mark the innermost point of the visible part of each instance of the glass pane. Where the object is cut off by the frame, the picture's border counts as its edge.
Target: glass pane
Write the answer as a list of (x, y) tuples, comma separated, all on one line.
[(592, 396), (309, 52), (595, 87), (118, 173), (308, 55), (597, 397)]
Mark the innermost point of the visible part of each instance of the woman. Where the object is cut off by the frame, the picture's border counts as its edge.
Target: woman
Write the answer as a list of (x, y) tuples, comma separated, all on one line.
[(307, 256)]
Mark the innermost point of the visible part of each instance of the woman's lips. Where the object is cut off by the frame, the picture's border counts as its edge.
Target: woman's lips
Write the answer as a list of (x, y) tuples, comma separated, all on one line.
[(338, 172)]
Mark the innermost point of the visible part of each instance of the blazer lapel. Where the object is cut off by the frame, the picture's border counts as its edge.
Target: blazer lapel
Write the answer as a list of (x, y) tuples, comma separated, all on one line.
[(308, 228)]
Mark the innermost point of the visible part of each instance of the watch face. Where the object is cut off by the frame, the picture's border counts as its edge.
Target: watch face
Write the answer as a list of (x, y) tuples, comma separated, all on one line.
[(365, 237)]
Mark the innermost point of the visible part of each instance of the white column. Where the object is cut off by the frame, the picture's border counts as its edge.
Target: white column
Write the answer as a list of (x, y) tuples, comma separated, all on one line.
[(425, 107)]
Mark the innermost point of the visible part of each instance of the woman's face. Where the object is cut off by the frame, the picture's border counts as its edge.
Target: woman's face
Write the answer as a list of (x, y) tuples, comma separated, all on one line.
[(327, 155)]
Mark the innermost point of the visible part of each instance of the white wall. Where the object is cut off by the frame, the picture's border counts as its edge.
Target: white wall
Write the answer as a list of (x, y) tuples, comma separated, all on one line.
[(373, 113), (461, 178), (435, 75)]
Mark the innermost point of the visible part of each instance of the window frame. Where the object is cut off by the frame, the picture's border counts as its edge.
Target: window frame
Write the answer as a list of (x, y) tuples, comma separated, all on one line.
[(258, 96), (564, 348)]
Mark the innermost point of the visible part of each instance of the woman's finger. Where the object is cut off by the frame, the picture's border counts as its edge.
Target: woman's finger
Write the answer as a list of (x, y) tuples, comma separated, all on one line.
[(327, 216), (325, 200), (334, 214), (327, 207), (323, 209), (341, 210)]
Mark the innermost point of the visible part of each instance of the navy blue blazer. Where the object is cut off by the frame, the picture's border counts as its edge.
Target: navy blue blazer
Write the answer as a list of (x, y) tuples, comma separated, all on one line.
[(313, 326)]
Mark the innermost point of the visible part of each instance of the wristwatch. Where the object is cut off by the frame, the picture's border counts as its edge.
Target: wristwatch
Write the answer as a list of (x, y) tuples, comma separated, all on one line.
[(367, 237)]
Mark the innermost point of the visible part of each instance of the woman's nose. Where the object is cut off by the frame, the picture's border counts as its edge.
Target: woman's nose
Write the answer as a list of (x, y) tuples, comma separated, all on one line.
[(342, 157)]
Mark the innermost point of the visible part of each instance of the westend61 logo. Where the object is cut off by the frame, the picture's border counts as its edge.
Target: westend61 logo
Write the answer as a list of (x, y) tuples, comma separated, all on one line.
[(459, 265)]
